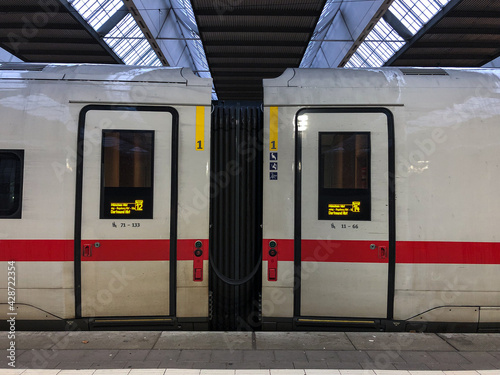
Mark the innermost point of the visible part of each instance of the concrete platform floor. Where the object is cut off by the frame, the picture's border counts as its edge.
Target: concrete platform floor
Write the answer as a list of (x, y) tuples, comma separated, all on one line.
[(247, 353)]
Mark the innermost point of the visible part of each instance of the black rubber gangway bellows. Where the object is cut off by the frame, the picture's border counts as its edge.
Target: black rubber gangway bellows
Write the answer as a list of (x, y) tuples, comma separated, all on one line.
[(236, 215)]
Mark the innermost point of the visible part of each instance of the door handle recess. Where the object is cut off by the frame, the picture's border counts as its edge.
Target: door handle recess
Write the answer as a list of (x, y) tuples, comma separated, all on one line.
[(87, 250), (381, 251)]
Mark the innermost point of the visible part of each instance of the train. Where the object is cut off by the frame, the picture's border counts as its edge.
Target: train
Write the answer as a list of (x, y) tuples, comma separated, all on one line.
[(350, 199)]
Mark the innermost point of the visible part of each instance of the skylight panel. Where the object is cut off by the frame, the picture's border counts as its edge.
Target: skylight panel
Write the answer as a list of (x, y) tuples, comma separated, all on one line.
[(383, 41), (125, 39), (379, 46), (187, 9), (129, 43), (96, 12), (414, 14)]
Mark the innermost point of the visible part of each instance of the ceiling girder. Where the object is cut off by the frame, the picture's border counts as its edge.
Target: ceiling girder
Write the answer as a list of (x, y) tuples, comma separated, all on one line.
[(342, 31), (113, 21), (463, 33)]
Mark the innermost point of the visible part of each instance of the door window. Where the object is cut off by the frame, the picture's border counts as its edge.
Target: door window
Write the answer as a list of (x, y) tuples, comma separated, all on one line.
[(127, 174), (344, 176), (11, 171)]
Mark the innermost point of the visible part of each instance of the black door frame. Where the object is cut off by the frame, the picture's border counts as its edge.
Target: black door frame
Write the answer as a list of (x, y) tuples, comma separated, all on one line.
[(298, 202), (79, 197)]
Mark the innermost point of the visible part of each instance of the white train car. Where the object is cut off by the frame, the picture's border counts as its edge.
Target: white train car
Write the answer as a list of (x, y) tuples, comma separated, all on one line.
[(381, 204), (98, 166), (379, 200)]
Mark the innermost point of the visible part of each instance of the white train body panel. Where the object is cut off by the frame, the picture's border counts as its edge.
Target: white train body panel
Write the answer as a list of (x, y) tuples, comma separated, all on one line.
[(445, 242), (41, 113), (379, 200)]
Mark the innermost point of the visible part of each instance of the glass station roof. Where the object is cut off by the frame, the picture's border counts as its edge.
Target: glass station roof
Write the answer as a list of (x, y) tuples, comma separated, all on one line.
[(96, 12), (125, 38), (383, 41), (128, 41)]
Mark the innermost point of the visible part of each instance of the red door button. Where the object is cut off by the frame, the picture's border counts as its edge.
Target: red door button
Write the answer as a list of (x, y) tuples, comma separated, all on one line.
[(198, 261), (272, 262), (272, 274), (198, 274)]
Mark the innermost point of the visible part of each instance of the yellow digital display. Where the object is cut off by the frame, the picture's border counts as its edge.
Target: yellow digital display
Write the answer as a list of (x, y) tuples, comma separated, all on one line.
[(343, 209), (126, 208)]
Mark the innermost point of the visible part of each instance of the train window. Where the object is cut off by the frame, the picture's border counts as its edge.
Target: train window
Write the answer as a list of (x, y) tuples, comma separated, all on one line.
[(344, 176), (11, 180), (127, 174)]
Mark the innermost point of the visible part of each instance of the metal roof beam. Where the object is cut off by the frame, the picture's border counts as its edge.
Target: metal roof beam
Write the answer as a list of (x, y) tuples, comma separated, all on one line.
[(253, 43), (23, 9), (6, 56), (79, 41), (337, 37), (67, 6), (474, 14), (446, 45), (53, 26), (254, 29), (80, 52), (441, 56), (438, 17), (493, 64), (397, 25), (257, 12), (113, 21), (145, 27), (264, 55), (468, 30), (170, 30)]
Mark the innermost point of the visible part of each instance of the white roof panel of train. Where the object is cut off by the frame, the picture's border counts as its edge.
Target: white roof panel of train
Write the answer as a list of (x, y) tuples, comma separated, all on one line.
[(350, 77), (96, 72), (380, 85)]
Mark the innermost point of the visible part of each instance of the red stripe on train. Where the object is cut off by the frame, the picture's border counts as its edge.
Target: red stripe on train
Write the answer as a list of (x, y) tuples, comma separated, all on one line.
[(328, 251), (343, 251), (186, 248), (448, 252), (435, 252), (312, 250), (128, 250), (36, 250), (107, 250), (283, 247)]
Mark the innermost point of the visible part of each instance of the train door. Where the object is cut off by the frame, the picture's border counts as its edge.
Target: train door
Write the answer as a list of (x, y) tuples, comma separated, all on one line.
[(343, 214), (126, 229)]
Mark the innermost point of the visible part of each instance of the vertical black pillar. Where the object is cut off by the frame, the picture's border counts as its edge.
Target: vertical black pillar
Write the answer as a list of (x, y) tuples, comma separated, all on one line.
[(236, 215)]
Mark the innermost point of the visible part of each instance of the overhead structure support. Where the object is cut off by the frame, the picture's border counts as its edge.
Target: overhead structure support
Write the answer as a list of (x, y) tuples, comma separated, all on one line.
[(397, 25), (172, 33), (340, 31), (135, 10), (8, 57), (113, 21)]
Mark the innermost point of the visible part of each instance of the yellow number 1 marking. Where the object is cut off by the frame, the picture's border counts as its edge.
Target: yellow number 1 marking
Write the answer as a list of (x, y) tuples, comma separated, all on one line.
[(273, 129), (200, 128)]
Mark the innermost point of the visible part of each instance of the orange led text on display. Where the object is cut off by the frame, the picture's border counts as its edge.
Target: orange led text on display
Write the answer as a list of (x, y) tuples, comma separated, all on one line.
[(126, 208), (343, 209)]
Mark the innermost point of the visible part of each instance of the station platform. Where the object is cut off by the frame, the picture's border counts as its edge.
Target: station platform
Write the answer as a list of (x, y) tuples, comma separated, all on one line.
[(250, 353)]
